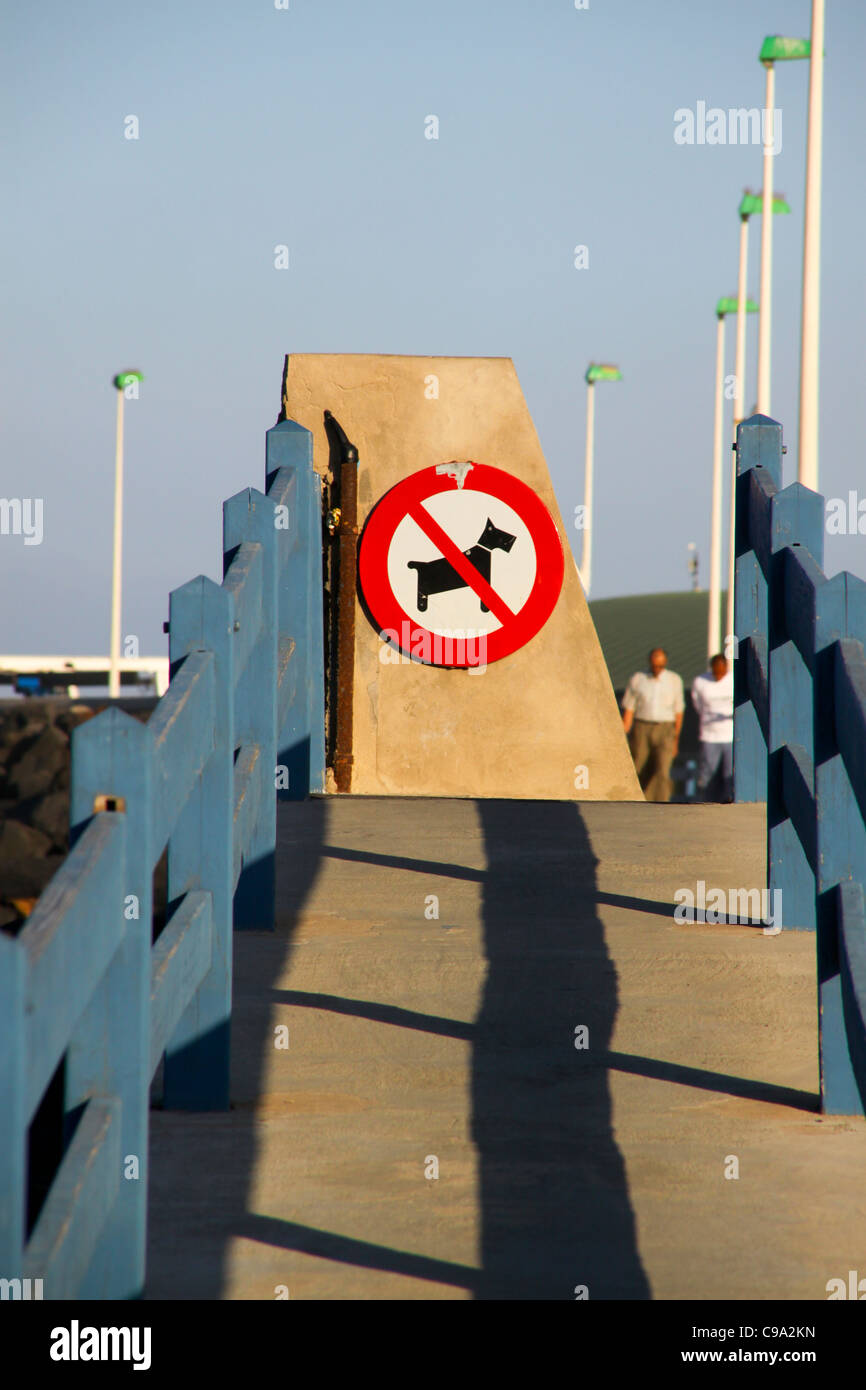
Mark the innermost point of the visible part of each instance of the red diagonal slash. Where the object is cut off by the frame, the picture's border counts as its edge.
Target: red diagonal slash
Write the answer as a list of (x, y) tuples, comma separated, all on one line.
[(458, 561)]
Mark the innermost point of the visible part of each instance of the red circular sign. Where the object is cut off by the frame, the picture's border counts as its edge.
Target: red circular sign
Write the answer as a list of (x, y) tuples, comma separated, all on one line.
[(511, 575)]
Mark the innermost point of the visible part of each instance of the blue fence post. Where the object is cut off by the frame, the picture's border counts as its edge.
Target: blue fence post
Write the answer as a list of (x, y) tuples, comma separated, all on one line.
[(759, 461), (200, 856), (176, 779), (109, 1051), (841, 838), (13, 1108), (249, 516), (796, 523), (301, 737)]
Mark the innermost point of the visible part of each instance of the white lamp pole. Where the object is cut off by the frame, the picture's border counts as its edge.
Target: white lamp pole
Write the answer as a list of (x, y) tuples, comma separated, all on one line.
[(724, 307), (765, 294), (117, 561), (121, 381), (740, 358), (739, 396), (808, 462), (751, 205), (586, 560), (774, 49), (714, 619), (596, 371)]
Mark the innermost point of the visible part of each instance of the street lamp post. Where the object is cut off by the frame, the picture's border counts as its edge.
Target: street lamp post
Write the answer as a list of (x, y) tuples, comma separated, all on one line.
[(596, 371), (765, 293), (750, 205), (724, 306), (773, 50), (121, 381), (745, 211), (808, 462)]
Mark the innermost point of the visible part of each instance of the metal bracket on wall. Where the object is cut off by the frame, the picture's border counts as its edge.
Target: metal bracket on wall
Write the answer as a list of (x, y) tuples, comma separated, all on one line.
[(340, 570)]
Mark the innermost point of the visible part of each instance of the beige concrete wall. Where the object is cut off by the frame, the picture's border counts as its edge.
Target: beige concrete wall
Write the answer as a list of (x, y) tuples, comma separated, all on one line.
[(522, 727)]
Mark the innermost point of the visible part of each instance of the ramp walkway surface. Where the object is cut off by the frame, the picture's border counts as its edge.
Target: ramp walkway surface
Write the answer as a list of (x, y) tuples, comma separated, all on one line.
[(432, 962)]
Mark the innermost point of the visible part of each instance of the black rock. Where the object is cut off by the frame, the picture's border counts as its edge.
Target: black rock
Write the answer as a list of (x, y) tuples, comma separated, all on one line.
[(27, 877), (16, 738), (52, 818), (34, 771), (69, 719), (50, 814), (19, 841), (9, 918)]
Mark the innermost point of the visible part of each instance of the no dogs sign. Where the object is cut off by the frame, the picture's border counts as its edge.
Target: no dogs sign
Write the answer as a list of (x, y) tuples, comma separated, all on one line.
[(460, 564)]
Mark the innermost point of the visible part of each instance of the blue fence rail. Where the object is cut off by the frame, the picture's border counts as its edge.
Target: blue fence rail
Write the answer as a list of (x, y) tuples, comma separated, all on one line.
[(800, 738), (83, 987)]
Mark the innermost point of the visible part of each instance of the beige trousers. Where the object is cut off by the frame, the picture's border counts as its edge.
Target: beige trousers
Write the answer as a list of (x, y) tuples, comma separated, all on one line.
[(652, 748)]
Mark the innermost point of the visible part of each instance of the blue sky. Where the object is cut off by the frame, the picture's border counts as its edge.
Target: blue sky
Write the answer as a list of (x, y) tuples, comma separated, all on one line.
[(261, 126)]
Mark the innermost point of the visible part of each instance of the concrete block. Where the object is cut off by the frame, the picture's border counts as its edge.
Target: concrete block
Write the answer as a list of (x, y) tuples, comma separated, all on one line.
[(529, 723)]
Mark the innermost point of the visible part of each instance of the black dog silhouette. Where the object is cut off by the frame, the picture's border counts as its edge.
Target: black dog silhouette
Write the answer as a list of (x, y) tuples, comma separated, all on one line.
[(439, 576)]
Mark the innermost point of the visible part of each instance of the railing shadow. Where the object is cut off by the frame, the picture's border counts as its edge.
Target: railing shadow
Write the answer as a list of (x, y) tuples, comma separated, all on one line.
[(219, 1152), (555, 1211), (555, 1215)]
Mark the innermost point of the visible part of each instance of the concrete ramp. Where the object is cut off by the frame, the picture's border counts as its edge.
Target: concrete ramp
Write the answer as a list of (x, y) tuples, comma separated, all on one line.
[(531, 712), (413, 1037)]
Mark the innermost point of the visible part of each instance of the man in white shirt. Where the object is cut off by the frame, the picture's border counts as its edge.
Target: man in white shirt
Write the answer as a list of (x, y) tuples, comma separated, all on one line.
[(652, 716), (713, 698)]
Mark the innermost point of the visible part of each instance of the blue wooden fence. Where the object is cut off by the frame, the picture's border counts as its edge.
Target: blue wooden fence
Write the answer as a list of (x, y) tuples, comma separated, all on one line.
[(83, 984), (800, 738)]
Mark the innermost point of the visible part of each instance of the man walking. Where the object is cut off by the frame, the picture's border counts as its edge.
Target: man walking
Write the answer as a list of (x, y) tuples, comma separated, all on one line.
[(652, 716), (713, 698)]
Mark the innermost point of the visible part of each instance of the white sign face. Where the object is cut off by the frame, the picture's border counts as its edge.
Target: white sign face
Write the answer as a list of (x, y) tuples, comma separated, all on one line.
[(491, 534), (459, 551)]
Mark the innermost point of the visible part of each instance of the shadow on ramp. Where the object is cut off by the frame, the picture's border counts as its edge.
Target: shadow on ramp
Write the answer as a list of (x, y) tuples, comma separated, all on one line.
[(554, 1206), (555, 1210), (216, 1153), (764, 1091)]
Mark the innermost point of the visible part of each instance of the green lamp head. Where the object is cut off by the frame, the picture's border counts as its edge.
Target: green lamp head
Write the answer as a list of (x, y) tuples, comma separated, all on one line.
[(126, 379), (602, 371), (753, 203), (775, 49), (729, 306)]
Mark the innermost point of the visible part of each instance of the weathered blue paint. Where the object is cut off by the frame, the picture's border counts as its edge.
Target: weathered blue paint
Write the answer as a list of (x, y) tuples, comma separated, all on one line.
[(759, 476), (82, 1200), (109, 1049), (796, 522), (183, 726), (301, 740), (182, 958), (248, 794), (248, 518), (13, 1104), (68, 942), (197, 1056), (82, 981), (840, 784), (851, 917), (803, 687)]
